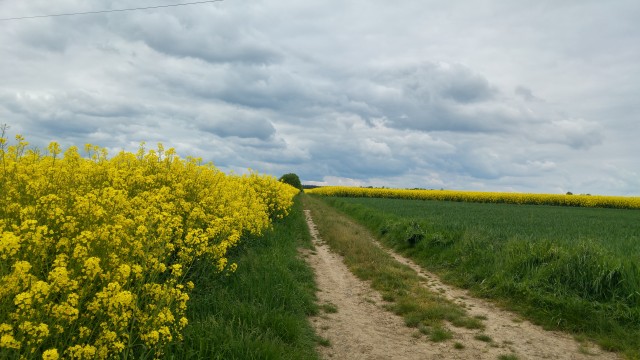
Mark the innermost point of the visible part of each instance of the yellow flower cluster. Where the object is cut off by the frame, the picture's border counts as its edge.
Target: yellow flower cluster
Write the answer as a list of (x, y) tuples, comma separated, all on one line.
[(619, 202), (94, 251)]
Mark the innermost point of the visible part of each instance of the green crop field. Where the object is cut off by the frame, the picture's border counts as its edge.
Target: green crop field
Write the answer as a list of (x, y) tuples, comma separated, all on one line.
[(614, 229), (575, 269)]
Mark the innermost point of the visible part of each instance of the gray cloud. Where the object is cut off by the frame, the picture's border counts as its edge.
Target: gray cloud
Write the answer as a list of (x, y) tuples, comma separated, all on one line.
[(426, 96), (525, 93), (212, 36), (238, 123), (575, 133)]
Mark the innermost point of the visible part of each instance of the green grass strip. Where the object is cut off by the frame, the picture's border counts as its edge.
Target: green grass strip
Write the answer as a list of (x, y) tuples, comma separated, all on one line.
[(261, 311), (397, 283)]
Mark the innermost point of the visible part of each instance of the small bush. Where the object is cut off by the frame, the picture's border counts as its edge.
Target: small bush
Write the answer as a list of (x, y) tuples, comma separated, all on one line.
[(414, 234), (291, 179)]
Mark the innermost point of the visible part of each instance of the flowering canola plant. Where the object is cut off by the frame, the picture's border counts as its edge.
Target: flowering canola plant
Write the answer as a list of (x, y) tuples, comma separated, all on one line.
[(94, 251), (619, 202)]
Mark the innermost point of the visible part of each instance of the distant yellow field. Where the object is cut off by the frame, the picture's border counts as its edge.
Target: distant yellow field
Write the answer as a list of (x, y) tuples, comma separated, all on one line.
[(618, 202)]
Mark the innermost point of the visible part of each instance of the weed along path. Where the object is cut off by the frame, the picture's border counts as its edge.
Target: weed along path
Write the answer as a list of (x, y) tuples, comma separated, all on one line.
[(358, 322)]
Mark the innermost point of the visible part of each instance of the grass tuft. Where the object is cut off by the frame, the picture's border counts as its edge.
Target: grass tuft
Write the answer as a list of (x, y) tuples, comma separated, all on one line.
[(323, 341), (483, 337), (329, 308), (439, 334)]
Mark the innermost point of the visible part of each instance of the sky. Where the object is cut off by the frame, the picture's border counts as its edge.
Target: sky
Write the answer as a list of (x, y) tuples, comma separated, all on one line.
[(490, 95)]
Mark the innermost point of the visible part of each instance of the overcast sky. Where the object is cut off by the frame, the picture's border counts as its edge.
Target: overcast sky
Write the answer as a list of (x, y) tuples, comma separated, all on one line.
[(527, 96)]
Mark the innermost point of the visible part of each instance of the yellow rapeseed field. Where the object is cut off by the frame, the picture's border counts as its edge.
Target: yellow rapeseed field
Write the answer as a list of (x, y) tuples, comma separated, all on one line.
[(95, 250), (619, 202)]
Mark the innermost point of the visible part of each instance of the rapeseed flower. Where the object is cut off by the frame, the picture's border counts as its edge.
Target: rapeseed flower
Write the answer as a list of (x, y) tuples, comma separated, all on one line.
[(51, 354)]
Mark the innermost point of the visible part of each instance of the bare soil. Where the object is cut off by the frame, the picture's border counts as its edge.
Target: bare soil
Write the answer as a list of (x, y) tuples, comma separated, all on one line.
[(362, 329)]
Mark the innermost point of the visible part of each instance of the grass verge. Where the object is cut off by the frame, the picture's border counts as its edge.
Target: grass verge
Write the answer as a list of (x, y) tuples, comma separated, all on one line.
[(398, 284), (261, 311)]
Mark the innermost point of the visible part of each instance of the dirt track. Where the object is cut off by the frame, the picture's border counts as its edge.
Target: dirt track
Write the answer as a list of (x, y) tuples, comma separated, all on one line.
[(363, 329)]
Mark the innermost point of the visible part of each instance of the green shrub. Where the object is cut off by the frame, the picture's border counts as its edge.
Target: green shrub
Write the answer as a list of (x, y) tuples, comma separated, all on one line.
[(291, 179)]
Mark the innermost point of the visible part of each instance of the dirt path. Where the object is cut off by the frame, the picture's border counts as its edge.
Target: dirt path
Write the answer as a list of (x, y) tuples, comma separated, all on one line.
[(363, 329)]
